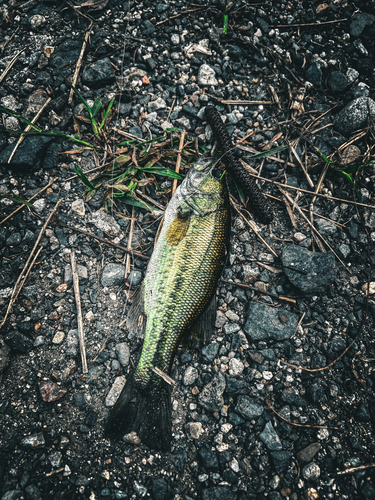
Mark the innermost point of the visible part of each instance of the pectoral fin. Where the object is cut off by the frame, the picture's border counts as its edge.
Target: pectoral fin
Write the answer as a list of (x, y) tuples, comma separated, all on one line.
[(136, 320), (177, 230)]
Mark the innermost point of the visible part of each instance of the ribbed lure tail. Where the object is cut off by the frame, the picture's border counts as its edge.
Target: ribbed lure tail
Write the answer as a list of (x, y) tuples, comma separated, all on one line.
[(148, 413), (256, 199)]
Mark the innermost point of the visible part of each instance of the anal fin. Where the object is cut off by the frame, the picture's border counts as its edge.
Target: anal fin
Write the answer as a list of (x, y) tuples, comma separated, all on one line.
[(199, 334), (136, 320)]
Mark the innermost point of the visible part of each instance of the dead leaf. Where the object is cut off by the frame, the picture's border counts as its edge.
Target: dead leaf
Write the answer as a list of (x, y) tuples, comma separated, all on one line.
[(145, 80)]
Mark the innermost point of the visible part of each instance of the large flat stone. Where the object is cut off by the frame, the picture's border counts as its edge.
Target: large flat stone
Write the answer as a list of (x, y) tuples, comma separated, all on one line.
[(265, 322)]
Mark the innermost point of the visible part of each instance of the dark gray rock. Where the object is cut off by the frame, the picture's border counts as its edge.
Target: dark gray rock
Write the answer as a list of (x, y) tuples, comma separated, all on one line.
[(4, 357), (113, 274), (311, 272), (18, 341), (66, 54), (218, 493), (354, 116), (270, 438), (235, 386), (308, 453), (281, 460), (314, 75), (135, 277), (14, 239), (98, 73), (337, 81), (359, 22), (123, 353), (33, 492), (265, 322), (248, 407), (29, 155), (208, 458), (235, 419), (34, 441), (209, 352), (13, 495), (124, 108), (162, 7), (28, 237), (159, 489), (211, 397), (317, 394), (363, 413)]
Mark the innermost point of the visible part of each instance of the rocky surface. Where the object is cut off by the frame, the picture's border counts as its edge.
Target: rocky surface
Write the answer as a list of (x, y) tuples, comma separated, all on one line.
[(310, 69)]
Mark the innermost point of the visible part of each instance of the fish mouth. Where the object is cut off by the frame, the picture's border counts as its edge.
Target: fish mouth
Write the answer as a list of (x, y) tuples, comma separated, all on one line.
[(204, 165)]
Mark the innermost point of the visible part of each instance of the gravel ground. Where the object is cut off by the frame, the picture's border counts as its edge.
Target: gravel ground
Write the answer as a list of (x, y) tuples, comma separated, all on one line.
[(311, 67)]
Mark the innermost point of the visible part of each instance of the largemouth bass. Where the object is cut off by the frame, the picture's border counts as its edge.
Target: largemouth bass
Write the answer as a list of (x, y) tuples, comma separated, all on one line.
[(175, 298)]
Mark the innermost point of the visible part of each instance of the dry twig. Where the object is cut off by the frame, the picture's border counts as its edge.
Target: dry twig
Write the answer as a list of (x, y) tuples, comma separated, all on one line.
[(285, 419), (139, 255), (28, 128), (253, 228), (10, 65), (79, 62), (79, 311), (241, 285), (25, 271), (127, 264), (178, 163), (28, 201)]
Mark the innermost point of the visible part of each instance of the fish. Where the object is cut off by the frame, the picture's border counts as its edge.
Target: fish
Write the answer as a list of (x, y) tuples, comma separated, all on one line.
[(175, 303)]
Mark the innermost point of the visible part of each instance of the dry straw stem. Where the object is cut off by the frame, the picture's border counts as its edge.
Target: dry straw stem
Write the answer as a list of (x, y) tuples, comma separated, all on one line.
[(28, 128), (163, 375), (127, 264), (3, 45), (79, 311), (103, 240), (102, 347), (28, 201), (286, 420), (286, 186), (353, 470), (11, 64), (314, 229), (181, 14), (234, 205), (305, 210), (313, 370), (25, 271), (234, 101), (249, 287), (79, 62), (307, 24), (301, 165), (178, 163)]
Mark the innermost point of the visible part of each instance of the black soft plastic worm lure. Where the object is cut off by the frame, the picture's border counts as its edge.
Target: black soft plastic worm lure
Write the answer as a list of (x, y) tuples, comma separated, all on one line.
[(256, 199)]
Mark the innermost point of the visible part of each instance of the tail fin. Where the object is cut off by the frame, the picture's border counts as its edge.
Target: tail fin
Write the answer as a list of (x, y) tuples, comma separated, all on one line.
[(148, 413)]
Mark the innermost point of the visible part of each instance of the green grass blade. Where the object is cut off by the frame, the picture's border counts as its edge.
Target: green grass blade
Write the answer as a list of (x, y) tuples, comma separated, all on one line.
[(20, 117), (166, 172), (80, 97), (17, 199), (135, 203), (83, 178), (225, 24), (96, 107), (106, 112)]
